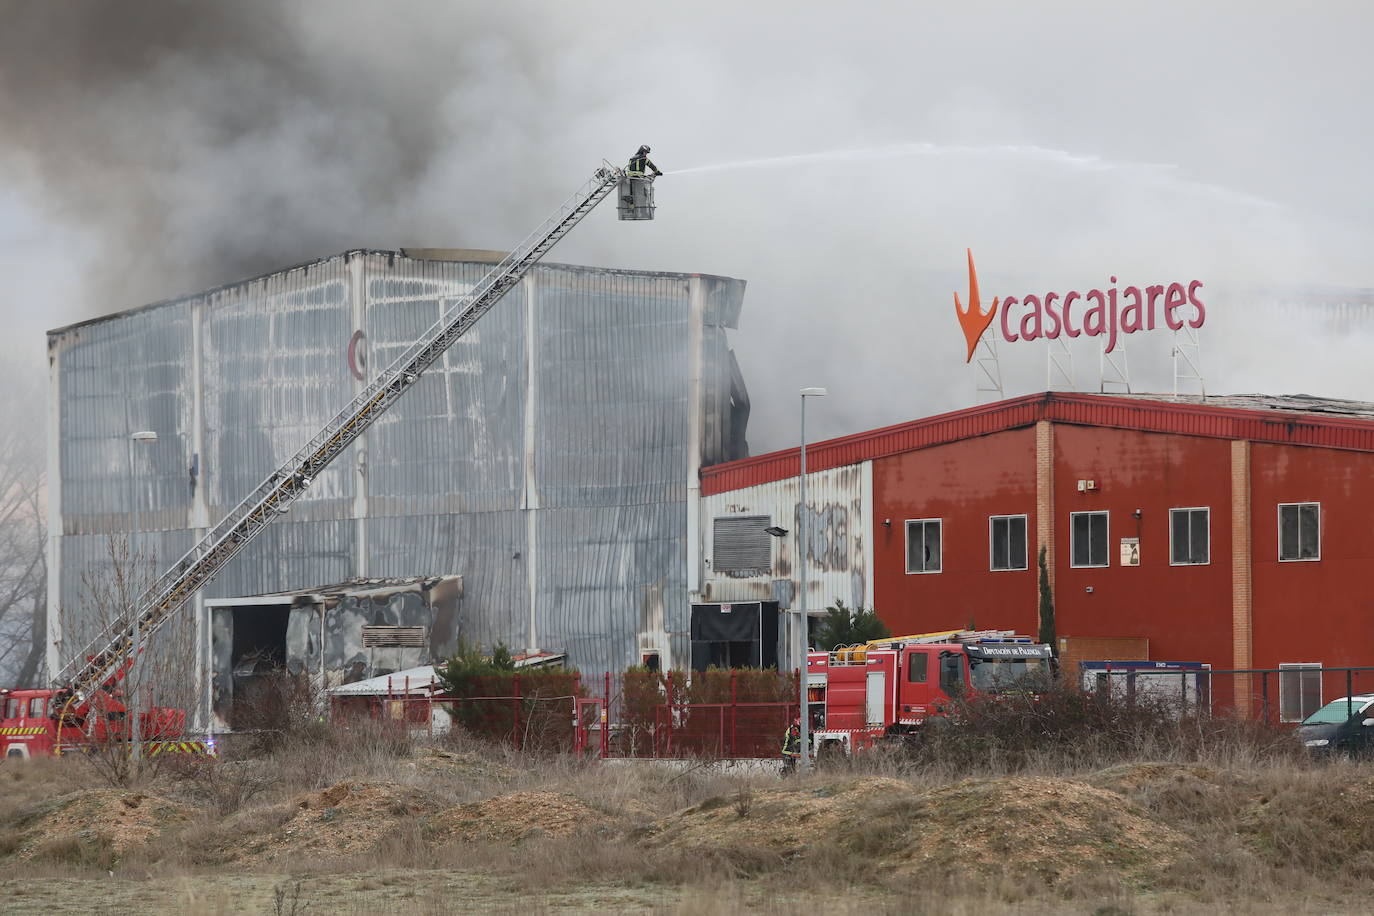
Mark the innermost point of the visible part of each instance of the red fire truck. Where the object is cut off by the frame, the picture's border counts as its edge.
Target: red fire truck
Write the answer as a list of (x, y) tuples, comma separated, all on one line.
[(33, 724), (886, 688)]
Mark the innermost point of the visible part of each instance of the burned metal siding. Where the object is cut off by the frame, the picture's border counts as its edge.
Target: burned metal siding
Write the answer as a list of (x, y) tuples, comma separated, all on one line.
[(116, 379), (272, 375), (611, 360), (454, 442), (290, 554), (612, 583), (837, 540), (88, 574), (725, 411), (545, 459), (488, 547)]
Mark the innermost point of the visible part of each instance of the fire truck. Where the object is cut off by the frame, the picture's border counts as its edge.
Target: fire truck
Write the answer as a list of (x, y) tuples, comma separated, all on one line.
[(890, 688), (33, 723)]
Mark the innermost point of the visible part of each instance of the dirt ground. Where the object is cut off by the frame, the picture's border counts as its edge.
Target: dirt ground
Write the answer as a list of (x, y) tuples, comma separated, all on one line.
[(433, 831)]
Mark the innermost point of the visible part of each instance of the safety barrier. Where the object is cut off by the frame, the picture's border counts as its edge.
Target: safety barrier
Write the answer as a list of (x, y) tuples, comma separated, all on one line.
[(1277, 696), (712, 714)]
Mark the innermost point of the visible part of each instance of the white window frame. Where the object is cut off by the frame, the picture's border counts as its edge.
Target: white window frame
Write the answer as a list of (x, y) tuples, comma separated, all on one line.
[(906, 528), (1107, 561), (1301, 666), (1208, 510), (1278, 517), (1025, 544)]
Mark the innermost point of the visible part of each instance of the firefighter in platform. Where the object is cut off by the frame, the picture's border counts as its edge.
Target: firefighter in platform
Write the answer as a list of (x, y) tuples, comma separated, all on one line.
[(791, 747), (641, 164)]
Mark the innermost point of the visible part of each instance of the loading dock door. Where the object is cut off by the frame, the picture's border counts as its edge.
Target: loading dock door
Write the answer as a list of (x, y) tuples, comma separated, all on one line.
[(877, 692), (741, 634)]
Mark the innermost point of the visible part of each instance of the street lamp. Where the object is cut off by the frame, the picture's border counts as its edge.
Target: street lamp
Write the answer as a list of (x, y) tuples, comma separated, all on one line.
[(803, 707)]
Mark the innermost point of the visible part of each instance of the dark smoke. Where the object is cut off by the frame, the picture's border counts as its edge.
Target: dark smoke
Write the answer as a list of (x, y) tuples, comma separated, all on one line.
[(152, 148), (207, 142)]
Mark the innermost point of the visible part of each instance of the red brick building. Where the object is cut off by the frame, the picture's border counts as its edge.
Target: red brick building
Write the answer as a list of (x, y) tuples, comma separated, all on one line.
[(1236, 531)]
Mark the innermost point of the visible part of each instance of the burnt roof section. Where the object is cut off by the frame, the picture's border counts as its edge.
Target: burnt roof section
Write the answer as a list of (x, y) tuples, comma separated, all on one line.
[(455, 255), (359, 586), (1297, 419)]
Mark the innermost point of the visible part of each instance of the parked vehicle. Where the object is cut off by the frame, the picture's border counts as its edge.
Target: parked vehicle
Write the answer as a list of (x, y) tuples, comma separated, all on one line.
[(39, 723), (1341, 726), (889, 688)]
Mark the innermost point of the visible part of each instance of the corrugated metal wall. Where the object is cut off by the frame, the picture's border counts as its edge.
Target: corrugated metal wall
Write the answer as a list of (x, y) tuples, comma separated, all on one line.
[(547, 455), (838, 539)]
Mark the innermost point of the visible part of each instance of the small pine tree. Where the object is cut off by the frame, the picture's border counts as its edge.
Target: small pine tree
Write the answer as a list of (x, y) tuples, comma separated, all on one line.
[(846, 626), (469, 663), (1047, 632), (501, 658)]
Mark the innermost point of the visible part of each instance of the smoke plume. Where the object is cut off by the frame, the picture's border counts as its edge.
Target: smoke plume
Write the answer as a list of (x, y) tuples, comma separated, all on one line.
[(151, 148)]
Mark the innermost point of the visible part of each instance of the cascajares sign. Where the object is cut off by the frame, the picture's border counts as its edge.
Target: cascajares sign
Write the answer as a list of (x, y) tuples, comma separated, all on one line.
[(1112, 312)]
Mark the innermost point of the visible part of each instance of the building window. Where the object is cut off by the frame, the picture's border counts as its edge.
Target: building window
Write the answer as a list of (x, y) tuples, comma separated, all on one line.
[(740, 546), (1300, 690), (923, 545), (1088, 538), (1008, 542), (1300, 531), (1190, 536)]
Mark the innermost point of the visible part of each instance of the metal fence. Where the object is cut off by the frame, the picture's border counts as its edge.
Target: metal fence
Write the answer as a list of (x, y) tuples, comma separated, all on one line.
[(1278, 696), (715, 714), (744, 713)]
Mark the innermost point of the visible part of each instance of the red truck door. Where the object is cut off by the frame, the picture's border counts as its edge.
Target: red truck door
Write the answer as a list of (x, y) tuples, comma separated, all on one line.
[(954, 677), (917, 683)]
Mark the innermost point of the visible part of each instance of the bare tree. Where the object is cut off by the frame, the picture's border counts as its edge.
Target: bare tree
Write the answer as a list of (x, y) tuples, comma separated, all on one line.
[(157, 681), (23, 537)]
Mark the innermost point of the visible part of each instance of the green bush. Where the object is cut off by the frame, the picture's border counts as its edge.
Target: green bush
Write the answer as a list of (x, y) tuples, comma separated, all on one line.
[(846, 626), (530, 708)]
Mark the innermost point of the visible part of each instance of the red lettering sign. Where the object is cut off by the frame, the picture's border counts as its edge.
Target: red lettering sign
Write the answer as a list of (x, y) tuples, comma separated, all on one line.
[(1033, 316)]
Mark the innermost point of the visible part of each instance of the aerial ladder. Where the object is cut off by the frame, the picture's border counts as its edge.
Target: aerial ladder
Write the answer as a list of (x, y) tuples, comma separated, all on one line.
[(105, 658)]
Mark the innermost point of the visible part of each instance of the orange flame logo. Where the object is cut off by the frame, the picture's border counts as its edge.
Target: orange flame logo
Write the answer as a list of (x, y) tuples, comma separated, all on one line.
[(972, 320)]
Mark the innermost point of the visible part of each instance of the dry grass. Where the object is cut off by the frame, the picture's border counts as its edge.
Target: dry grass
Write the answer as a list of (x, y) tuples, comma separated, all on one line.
[(1210, 820)]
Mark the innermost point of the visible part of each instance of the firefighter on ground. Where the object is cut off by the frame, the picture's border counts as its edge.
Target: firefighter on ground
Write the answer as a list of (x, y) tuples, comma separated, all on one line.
[(791, 747), (640, 163)]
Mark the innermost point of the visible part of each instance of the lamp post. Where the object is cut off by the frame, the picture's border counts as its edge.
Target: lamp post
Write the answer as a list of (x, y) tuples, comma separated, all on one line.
[(142, 437), (803, 618)]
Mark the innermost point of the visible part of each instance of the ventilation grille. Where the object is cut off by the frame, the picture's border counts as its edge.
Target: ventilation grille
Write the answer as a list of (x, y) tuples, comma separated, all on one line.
[(393, 637), (740, 545)]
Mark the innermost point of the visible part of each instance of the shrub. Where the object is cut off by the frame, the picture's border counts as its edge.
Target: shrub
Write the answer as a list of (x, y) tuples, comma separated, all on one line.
[(1055, 725), (846, 626), (491, 699)]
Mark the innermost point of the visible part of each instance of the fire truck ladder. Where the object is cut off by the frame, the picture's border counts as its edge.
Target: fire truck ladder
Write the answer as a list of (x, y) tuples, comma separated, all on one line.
[(100, 660)]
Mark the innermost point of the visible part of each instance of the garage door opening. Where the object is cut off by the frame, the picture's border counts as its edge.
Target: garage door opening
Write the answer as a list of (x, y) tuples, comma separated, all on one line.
[(258, 661)]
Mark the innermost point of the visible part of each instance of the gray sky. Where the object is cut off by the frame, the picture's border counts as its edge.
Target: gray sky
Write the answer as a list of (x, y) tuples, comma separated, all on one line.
[(150, 149)]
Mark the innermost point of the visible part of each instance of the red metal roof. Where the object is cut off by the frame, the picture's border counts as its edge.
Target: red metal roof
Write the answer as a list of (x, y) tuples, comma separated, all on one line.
[(1196, 418)]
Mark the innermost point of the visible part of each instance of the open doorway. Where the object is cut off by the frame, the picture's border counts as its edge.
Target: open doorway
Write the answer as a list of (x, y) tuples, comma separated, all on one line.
[(258, 661)]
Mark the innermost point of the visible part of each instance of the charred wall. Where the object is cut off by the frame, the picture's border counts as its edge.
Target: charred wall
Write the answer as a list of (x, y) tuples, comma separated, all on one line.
[(546, 458)]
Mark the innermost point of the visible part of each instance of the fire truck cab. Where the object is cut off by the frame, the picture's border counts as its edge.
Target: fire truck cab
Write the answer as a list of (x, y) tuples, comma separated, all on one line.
[(25, 729), (860, 695)]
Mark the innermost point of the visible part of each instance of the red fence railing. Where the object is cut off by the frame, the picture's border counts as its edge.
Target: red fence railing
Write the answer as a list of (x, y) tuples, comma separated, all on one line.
[(744, 713), (717, 714)]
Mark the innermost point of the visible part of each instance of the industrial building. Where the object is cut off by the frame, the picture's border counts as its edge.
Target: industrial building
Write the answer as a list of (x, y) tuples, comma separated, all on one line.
[(550, 459), (1232, 531)]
